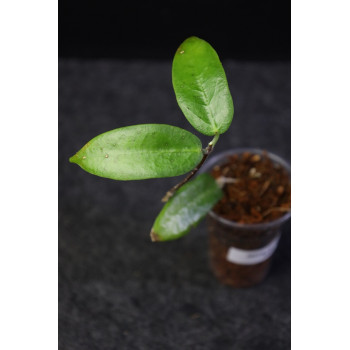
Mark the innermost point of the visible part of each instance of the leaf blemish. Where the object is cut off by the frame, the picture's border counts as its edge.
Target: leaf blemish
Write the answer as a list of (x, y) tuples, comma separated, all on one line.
[(106, 156), (84, 157), (154, 236), (181, 52)]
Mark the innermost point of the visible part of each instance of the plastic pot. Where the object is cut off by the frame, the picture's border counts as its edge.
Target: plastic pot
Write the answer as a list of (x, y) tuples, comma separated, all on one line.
[(241, 254)]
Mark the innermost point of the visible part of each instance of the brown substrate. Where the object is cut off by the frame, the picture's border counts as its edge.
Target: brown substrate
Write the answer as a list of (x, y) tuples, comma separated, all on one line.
[(256, 189)]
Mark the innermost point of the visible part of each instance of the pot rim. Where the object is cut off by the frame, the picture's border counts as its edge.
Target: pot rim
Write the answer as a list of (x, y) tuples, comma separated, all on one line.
[(218, 159)]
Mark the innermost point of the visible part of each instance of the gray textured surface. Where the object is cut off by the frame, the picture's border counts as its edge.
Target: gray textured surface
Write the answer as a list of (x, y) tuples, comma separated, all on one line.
[(117, 290)]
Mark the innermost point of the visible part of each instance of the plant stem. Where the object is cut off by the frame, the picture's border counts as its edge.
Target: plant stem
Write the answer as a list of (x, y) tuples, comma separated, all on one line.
[(213, 142), (206, 152)]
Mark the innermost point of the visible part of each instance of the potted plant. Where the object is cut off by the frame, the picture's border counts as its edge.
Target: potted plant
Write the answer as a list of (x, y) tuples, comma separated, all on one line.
[(158, 150)]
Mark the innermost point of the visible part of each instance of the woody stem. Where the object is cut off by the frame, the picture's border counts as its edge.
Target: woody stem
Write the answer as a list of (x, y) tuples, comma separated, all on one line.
[(206, 151)]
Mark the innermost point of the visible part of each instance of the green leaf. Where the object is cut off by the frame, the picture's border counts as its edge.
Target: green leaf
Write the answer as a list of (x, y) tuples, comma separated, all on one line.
[(201, 87), (140, 152), (186, 208)]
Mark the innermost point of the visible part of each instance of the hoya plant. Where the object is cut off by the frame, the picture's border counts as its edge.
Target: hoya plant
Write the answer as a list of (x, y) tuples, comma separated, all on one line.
[(159, 150)]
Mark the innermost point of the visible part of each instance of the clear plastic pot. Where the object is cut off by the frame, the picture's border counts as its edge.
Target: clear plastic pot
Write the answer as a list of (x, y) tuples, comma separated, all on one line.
[(241, 254)]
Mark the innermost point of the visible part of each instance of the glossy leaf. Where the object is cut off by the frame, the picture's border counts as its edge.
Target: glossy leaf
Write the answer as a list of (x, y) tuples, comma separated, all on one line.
[(186, 208), (140, 152), (201, 87)]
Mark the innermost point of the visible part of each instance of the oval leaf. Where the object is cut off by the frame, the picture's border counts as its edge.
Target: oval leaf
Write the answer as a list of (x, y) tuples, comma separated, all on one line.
[(201, 87), (186, 208), (140, 152)]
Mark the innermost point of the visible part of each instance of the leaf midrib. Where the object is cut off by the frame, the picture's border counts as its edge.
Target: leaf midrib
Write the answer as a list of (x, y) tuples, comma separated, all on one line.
[(207, 105), (152, 151), (194, 202)]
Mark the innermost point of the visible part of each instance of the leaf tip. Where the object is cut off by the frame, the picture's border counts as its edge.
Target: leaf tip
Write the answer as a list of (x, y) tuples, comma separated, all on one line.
[(154, 236), (193, 38), (73, 159)]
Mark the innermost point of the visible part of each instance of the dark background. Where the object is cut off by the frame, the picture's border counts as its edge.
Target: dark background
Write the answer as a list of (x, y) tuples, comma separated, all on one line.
[(117, 289), (241, 29)]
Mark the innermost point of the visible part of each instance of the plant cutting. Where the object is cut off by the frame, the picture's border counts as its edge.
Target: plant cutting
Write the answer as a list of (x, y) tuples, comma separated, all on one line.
[(159, 150)]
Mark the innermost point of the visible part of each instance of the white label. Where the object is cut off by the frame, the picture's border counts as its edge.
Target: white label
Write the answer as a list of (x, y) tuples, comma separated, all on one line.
[(252, 257)]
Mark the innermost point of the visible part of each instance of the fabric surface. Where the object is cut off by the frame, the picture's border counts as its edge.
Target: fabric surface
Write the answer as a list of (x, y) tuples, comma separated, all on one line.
[(117, 289)]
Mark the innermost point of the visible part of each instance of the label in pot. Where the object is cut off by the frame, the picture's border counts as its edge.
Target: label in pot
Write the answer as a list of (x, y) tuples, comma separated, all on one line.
[(252, 257)]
